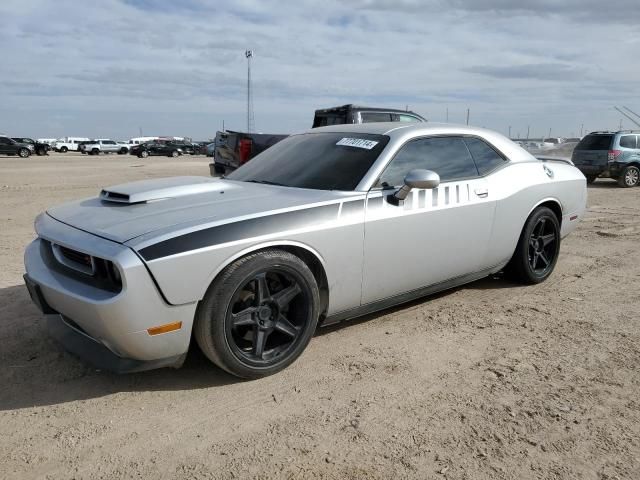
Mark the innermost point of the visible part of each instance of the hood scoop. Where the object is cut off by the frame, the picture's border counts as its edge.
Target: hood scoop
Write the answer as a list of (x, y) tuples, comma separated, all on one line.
[(160, 189)]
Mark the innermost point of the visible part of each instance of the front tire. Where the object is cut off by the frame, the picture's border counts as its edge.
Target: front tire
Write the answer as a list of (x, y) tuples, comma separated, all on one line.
[(259, 315), (538, 248), (144, 154), (64, 150), (630, 177), (174, 154)]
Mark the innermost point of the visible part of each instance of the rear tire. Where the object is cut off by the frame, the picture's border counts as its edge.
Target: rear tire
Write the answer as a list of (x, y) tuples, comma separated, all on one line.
[(538, 248), (630, 177), (259, 315), (591, 178), (174, 154), (64, 150), (144, 154), (24, 153)]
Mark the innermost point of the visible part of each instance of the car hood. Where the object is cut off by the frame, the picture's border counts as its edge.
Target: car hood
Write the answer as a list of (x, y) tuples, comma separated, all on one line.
[(124, 212)]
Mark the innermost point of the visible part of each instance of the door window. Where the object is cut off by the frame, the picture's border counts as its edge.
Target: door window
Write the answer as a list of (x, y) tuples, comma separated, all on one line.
[(447, 156), (486, 158), (5, 141)]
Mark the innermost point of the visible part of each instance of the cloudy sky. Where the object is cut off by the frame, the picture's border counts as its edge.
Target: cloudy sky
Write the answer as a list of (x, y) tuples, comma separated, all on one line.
[(169, 67)]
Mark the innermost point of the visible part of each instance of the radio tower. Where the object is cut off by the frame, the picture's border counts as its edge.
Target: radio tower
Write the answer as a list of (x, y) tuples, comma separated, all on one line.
[(250, 122)]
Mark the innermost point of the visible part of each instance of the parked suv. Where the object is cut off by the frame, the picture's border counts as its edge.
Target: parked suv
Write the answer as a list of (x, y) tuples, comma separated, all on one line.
[(610, 154), (8, 146), (39, 147)]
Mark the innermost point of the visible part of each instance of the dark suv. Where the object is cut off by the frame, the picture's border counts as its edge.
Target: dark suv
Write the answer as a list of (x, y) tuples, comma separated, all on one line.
[(40, 148), (610, 154), (8, 146)]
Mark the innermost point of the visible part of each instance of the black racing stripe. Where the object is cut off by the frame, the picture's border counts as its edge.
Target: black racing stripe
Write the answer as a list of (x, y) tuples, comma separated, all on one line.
[(352, 208), (230, 232)]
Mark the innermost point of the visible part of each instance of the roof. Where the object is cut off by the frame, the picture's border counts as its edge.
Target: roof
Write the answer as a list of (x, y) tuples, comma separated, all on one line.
[(401, 132)]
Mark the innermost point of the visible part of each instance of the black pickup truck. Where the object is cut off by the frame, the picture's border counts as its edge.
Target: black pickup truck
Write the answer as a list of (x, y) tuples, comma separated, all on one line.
[(233, 149)]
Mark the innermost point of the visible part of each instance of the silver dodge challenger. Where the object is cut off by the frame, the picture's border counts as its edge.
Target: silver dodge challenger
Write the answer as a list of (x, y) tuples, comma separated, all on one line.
[(324, 226)]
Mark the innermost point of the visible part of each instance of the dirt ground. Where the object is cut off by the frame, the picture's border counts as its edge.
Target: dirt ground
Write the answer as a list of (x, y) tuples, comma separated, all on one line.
[(489, 381)]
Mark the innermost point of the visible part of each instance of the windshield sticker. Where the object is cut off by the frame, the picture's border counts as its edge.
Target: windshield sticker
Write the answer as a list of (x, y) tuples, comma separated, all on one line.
[(357, 142)]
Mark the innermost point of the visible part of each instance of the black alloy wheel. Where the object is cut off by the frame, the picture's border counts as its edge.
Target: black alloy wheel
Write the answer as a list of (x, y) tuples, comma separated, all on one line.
[(259, 314), (538, 248), (265, 317)]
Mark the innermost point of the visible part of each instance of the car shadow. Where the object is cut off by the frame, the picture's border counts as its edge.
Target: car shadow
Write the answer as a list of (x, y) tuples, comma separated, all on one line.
[(36, 371), (603, 183)]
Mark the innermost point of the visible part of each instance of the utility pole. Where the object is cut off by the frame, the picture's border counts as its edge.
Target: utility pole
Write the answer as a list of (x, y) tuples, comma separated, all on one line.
[(223, 125), (527, 132), (581, 128), (447, 115), (549, 134), (509, 131), (467, 116), (249, 55), (140, 128)]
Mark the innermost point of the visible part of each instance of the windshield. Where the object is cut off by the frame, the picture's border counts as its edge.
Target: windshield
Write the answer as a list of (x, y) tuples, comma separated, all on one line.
[(321, 161)]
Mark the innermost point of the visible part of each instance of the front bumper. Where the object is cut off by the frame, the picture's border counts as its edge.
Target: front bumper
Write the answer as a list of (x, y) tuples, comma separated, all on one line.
[(106, 328)]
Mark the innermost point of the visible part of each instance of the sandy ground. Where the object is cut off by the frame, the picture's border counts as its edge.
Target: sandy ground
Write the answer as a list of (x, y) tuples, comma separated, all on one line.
[(489, 381)]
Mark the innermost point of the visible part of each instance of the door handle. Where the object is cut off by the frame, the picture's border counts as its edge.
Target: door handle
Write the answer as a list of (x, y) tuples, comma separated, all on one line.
[(481, 192)]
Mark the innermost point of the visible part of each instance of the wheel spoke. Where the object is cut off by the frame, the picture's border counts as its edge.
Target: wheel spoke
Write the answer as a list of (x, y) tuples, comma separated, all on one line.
[(262, 289), (547, 239), (534, 261), (245, 317), (541, 225), (259, 341), (285, 326), (543, 257), (284, 296)]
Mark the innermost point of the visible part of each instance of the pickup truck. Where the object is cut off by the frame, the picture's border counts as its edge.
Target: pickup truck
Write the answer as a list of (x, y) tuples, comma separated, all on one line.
[(233, 149), (39, 147), (103, 146)]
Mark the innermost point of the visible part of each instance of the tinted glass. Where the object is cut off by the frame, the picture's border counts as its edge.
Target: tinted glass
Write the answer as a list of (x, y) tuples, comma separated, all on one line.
[(315, 160), (447, 156), (5, 141), (628, 141), (595, 142), (373, 117), (486, 158), (408, 118)]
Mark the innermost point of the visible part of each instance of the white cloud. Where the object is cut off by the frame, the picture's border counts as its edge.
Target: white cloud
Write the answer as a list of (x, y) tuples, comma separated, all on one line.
[(106, 68)]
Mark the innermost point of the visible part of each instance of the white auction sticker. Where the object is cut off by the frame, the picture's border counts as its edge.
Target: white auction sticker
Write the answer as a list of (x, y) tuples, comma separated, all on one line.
[(357, 142)]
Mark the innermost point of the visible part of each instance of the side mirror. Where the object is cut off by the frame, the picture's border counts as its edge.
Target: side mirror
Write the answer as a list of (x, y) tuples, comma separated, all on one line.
[(417, 179)]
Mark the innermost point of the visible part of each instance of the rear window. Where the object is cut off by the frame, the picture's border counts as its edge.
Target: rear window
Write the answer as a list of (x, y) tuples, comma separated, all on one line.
[(375, 117), (329, 119), (595, 142), (628, 141)]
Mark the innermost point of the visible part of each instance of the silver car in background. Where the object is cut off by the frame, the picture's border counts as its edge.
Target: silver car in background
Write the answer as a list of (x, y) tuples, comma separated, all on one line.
[(324, 226)]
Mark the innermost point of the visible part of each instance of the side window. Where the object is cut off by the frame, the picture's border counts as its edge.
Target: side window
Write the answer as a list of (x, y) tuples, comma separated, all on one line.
[(407, 118), (4, 141), (486, 158), (447, 156), (628, 141), (372, 117)]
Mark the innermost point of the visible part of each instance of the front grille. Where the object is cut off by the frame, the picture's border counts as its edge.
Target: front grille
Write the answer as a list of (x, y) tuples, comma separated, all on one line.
[(75, 256), (95, 271)]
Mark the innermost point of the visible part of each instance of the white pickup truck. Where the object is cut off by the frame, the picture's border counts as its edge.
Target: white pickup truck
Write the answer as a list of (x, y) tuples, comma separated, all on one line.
[(103, 146)]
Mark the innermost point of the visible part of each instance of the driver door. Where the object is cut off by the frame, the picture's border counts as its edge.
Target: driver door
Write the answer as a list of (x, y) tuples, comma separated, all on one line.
[(433, 235)]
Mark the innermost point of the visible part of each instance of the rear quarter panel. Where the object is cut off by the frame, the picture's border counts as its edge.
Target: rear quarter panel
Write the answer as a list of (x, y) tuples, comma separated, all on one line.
[(521, 187)]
